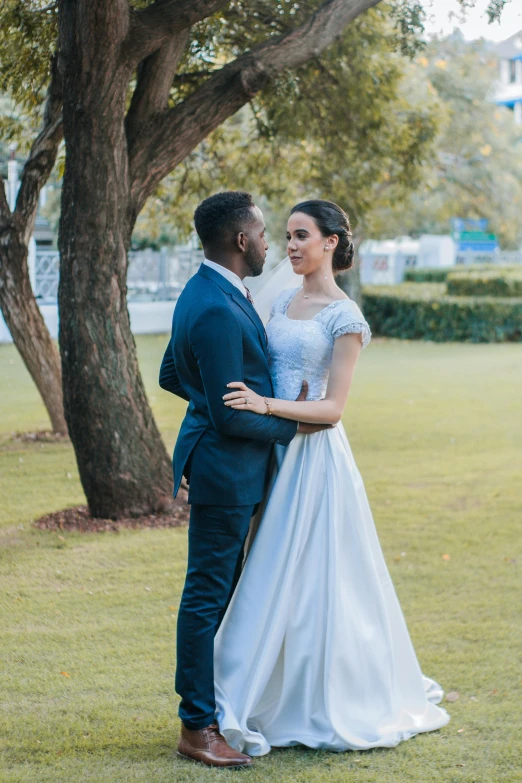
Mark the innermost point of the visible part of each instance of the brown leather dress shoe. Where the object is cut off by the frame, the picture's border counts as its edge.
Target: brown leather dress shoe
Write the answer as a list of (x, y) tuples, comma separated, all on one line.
[(208, 746)]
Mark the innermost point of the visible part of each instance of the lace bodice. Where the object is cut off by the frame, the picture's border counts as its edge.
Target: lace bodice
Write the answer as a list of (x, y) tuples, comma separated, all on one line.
[(302, 350)]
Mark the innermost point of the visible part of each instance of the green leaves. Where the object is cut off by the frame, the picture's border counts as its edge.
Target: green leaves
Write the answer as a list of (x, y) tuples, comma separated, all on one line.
[(409, 19), (495, 9), (348, 126), (27, 43)]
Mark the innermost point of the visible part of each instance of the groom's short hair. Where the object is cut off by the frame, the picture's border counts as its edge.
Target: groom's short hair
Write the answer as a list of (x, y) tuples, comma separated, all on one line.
[(223, 215)]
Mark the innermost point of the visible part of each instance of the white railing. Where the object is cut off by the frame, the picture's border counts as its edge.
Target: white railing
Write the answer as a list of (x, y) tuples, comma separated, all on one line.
[(502, 257), (46, 275), (152, 276)]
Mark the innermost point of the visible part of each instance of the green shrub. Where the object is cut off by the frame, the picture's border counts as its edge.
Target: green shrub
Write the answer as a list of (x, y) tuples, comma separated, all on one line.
[(396, 311), (428, 275), (440, 274), (428, 291), (498, 282)]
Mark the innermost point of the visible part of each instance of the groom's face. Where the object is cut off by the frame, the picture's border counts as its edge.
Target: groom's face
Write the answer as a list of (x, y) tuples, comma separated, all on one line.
[(255, 251)]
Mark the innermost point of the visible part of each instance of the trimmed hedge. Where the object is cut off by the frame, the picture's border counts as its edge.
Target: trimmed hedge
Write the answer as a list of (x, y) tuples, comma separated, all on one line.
[(397, 311), (501, 282), (440, 274), (428, 275)]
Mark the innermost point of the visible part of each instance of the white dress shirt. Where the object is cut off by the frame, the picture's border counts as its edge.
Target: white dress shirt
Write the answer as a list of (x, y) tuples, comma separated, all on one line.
[(230, 276)]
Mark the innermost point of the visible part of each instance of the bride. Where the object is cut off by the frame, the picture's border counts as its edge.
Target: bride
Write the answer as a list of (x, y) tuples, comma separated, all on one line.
[(314, 649)]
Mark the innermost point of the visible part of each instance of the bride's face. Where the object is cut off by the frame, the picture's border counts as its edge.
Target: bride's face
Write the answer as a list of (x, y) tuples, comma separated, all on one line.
[(306, 244)]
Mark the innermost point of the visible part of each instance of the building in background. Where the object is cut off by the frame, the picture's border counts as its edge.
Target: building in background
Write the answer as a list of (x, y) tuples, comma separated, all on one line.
[(509, 92)]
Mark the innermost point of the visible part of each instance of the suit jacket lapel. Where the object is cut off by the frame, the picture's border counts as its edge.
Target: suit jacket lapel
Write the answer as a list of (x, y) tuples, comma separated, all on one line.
[(251, 311), (239, 298)]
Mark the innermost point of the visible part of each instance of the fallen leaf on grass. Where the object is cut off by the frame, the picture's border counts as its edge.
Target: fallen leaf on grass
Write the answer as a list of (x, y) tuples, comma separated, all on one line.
[(452, 696), (461, 731), (446, 557), (172, 608), (64, 674), (460, 765)]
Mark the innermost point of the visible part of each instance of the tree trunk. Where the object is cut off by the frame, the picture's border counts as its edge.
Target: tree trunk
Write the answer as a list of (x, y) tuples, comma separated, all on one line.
[(28, 330), (123, 464), (21, 313)]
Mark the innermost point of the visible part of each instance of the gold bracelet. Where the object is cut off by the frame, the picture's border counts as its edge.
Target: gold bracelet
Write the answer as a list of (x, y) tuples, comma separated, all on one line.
[(268, 408)]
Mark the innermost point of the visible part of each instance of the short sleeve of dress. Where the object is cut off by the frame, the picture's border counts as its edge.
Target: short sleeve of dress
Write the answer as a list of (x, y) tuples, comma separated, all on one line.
[(281, 301), (345, 317)]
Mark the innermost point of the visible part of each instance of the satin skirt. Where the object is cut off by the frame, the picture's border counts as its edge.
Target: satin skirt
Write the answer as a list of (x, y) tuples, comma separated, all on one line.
[(314, 648)]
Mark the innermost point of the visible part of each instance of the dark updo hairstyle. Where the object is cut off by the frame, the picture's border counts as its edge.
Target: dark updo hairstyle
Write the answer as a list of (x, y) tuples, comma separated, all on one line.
[(331, 219)]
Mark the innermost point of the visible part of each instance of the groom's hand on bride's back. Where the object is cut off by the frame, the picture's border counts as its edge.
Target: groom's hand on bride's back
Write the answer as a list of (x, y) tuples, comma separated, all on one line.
[(308, 429), (302, 427), (303, 394)]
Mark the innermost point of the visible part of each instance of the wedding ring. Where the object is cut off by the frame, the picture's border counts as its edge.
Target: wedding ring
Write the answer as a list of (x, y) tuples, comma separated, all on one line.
[(246, 401)]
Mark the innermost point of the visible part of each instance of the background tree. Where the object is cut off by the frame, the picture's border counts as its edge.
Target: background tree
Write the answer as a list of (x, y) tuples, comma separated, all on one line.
[(476, 171), (27, 62)]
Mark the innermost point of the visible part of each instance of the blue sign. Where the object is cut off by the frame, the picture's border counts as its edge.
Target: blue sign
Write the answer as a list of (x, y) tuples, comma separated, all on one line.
[(472, 235)]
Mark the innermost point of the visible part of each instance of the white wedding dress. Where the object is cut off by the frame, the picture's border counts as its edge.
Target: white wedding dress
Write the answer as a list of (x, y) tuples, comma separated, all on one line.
[(314, 649)]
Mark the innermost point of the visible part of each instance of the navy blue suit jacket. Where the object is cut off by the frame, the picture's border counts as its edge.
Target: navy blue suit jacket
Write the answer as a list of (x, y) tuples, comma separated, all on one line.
[(217, 337)]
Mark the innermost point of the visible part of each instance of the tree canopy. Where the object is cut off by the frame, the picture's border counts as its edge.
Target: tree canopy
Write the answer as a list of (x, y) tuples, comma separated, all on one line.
[(476, 171), (341, 127)]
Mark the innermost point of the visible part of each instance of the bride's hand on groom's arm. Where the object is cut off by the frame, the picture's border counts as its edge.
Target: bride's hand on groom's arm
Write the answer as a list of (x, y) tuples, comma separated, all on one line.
[(319, 414), (246, 399)]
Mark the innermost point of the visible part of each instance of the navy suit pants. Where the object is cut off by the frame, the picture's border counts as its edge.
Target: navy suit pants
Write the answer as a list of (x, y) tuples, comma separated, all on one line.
[(216, 546)]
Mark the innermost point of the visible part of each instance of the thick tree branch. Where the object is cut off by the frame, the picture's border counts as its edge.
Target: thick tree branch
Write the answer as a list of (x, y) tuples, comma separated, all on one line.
[(154, 25), (42, 156), (178, 131), (154, 80)]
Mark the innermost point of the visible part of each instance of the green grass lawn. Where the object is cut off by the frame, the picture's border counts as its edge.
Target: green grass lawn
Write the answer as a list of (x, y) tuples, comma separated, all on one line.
[(87, 639)]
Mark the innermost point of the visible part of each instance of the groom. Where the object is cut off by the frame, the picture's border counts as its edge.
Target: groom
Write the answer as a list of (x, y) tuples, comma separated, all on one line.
[(218, 337)]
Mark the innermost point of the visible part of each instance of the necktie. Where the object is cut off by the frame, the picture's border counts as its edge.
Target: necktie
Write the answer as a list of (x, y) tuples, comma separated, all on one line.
[(249, 296), (251, 300)]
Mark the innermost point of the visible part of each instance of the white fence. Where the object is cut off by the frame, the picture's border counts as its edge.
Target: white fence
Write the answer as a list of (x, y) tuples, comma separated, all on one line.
[(501, 257), (45, 275), (152, 275), (155, 279)]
